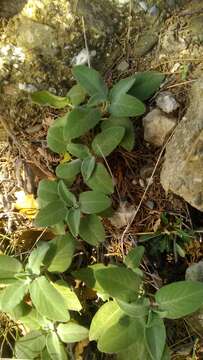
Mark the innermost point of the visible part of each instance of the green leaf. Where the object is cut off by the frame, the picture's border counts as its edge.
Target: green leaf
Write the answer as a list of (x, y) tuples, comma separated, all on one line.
[(127, 105), (96, 100), (122, 87), (47, 191), (51, 214), (76, 95), (73, 221), (119, 282), (87, 167), (146, 84), (134, 257), (72, 332), (55, 136), (93, 202), (71, 299), (45, 355), (180, 298), (46, 98), (30, 346), (138, 347), (65, 195), (108, 140), (55, 347), (28, 316), (166, 354), (121, 335), (48, 300), (88, 276), (107, 316), (90, 80), (91, 230), (59, 256), (80, 121), (100, 180), (36, 258), (70, 170), (78, 150), (156, 339), (135, 309), (9, 267), (13, 294), (128, 140)]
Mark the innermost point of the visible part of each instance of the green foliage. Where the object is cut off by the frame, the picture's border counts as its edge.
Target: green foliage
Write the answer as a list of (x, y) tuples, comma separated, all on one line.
[(40, 292)]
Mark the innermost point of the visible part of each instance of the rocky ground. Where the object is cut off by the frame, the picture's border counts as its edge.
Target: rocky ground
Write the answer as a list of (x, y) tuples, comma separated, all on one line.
[(40, 41)]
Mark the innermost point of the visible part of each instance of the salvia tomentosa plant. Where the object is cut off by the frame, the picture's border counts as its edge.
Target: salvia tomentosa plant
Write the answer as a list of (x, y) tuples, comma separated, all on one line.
[(38, 291)]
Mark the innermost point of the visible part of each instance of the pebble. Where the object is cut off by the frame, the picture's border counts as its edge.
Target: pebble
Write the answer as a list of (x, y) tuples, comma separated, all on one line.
[(123, 66), (143, 5), (153, 11), (27, 87), (150, 204), (166, 102), (83, 57)]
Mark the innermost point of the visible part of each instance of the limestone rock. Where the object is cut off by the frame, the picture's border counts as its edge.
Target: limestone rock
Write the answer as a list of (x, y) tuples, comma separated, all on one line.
[(33, 35), (157, 127), (166, 102), (182, 172)]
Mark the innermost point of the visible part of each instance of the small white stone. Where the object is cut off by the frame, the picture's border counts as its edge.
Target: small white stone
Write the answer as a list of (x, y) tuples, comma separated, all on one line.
[(27, 87), (83, 57), (166, 102), (123, 66), (157, 127), (143, 5)]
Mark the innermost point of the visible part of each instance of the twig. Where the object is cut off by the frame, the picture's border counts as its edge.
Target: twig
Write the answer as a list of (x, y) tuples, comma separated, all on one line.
[(144, 194), (86, 44)]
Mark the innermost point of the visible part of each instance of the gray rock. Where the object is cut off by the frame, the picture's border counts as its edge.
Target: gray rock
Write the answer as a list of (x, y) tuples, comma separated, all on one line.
[(166, 102), (146, 41), (157, 127), (182, 172), (33, 35), (195, 272)]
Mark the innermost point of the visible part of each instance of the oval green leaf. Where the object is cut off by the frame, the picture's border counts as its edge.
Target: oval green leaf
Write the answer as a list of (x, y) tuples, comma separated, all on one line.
[(71, 299), (30, 346), (46, 98), (87, 167), (8, 268), (128, 140), (70, 170), (60, 253), (101, 180), (78, 150), (80, 121), (76, 95), (93, 202), (65, 195), (73, 221), (180, 298), (119, 282), (36, 258), (12, 295), (92, 230), (55, 347), (90, 80), (146, 84), (72, 332), (134, 257), (51, 214), (108, 140), (47, 300), (127, 105)]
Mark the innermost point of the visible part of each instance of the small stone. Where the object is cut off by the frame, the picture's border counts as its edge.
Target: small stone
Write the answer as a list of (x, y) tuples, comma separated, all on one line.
[(150, 204), (157, 127), (83, 57), (143, 5), (166, 102), (123, 66), (154, 10), (195, 272), (27, 87)]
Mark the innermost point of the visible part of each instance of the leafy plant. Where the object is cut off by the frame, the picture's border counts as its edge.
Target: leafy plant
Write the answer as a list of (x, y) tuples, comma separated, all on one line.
[(97, 122)]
